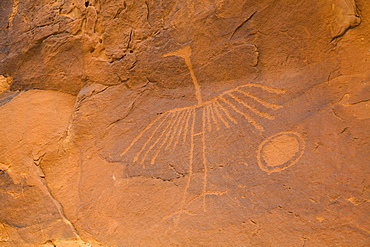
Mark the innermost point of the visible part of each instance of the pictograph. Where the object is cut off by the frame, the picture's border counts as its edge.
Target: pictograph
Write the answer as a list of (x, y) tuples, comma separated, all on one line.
[(192, 124)]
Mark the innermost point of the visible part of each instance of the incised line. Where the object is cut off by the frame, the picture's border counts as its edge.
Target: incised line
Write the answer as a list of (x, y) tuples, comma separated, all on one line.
[(185, 53), (150, 138), (169, 134), (250, 119), (215, 104), (183, 201), (205, 173), (14, 12), (208, 117), (254, 110), (142, 132), (180, 118), (173, 120), (262, 102), (187, 124), (214, 118), (226, 112), (186, 118)]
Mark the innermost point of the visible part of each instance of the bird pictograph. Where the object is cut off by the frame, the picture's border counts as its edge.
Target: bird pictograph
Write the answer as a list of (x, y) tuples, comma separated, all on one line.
[(178, 125)]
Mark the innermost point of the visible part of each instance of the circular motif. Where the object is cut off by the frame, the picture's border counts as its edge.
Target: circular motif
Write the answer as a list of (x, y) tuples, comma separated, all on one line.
[(280, 151)]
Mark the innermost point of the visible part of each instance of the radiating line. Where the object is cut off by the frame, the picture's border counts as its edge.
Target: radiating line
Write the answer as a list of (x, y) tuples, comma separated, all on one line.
[(259, 113), (219, 115), (150, 138), (180, 118), (165, 115), (214, 119), (265, 88), (152, 161), (169, 126), (249, 118), (170, 133), (262, 102), (185, 127), (208, 118), (185, 119), (187, 124), (226, 112)]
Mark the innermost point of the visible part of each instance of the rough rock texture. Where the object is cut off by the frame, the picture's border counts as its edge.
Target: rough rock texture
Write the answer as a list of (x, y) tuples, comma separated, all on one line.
[(184, 123)]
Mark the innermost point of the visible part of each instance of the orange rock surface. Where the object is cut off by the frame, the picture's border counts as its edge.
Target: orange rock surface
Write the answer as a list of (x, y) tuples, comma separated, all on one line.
[(184, 123)]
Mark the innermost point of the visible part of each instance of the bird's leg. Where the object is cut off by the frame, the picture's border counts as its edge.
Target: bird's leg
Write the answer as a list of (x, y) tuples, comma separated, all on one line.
[(204, 150)]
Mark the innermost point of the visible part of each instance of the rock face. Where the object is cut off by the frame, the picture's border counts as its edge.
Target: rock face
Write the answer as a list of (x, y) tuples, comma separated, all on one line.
[(184, 123)]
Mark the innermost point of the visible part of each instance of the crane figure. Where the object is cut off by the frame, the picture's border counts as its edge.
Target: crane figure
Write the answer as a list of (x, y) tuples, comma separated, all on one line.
[(178, 125)]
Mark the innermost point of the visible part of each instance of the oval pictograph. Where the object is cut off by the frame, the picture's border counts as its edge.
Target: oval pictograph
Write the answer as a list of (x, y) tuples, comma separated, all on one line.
[(280, 151)]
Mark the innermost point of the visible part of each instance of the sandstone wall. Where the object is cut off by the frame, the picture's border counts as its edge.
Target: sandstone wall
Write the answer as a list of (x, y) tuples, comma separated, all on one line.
[(184, 123)]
